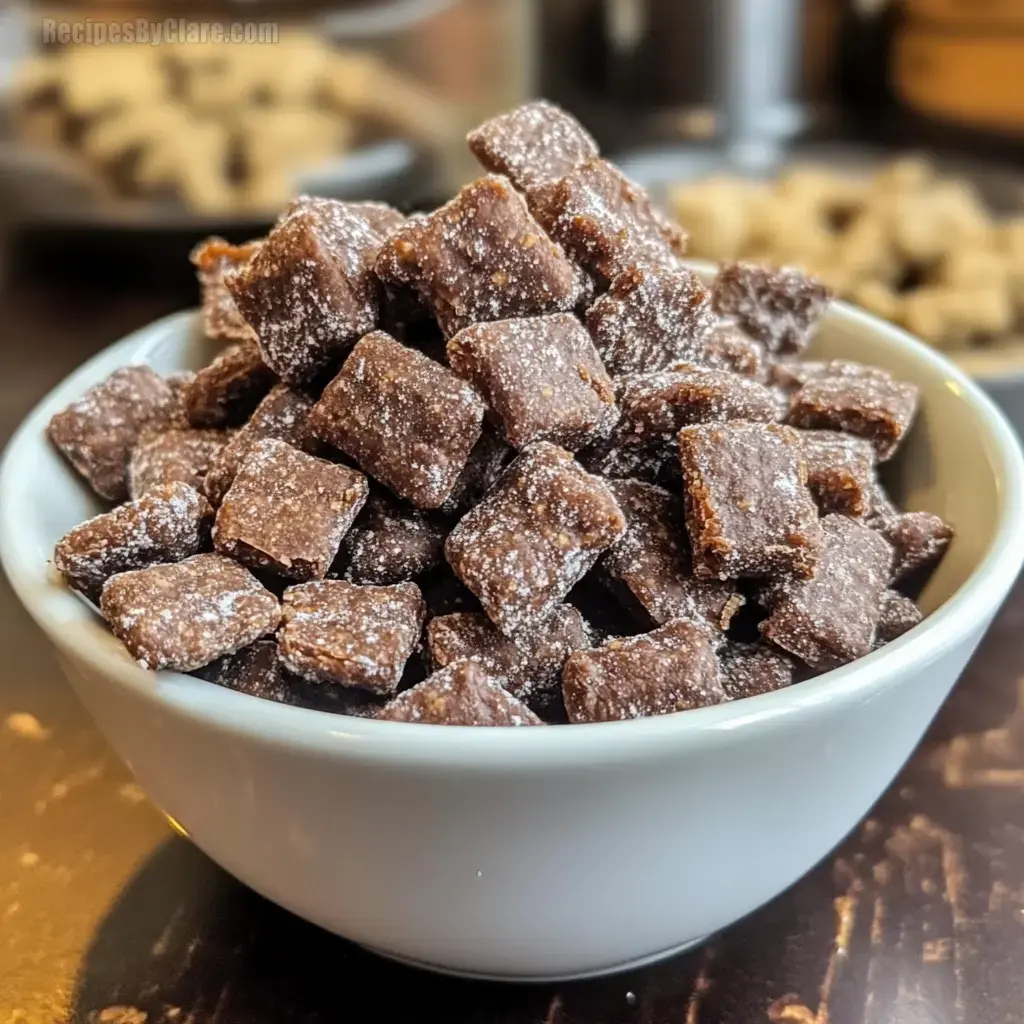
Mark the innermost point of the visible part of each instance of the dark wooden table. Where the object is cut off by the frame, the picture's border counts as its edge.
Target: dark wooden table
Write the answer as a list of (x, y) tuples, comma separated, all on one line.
[(108, 917)]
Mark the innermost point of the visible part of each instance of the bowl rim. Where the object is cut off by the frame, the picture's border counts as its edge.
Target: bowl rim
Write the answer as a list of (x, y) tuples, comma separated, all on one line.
[(52, 605)]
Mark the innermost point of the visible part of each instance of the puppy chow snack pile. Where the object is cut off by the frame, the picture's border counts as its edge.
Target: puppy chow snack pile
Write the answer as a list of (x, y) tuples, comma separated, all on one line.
[(435, 451)]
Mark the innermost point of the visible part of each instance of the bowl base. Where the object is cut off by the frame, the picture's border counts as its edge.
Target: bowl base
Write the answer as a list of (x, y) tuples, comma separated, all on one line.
[(540, 979)]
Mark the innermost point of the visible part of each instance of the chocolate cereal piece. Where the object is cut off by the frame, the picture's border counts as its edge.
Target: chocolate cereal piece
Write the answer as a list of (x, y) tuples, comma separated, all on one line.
[(177, 455), (169, 523), (840, 471), (651, 565), (877, 408), (287, 511), (97, 433), (227, 391), (528, 665), (726, 347), (310, 291), (533, 145), (484, 466), (609, 223), (183, 615), (461, 694), (748, 509), (410, 423), (283, 414), (898, 615), (670, 669), (749, 670), (541, 376), (533, 537), (336, 631), (919, 540), (391, 543), (480, 257), (650, 318), (213, 258), (831, 618), (256, 670), (779, 308)]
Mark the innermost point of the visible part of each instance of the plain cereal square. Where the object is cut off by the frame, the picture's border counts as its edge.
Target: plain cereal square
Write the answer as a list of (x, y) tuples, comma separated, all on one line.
[(650, 318), (226, 392), (186, 614), (339, 632), (671, 669), (287, 511), (97, 433), (310, 291), (461, 694), (831, 618), (213, 258), (651, 566), (168, 523), (541, 376), (409, 422), (544, 524), (748, 509), (779, 308), (179, 454), (480, 257)]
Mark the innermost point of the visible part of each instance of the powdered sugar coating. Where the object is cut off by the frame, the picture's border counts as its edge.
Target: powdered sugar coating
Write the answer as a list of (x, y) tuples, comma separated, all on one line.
[(831, 618), (650, 318), (339, 632), (180, 455), (528, 664), (652, 562), (840, 471), (391, 543), (898, 615), (533, 145), (541, 376), (609, 222), (521, 550), (183, 616), (310, 291), (670, 669), (97, 433), (409, 422), (480, 257), (226, 392), (779, 308), (484, 466), (168, 523), (874, 407), (282, 414), (793, 374), (726, 347), (919, 540), (461, 694), (287, 511), (748, 509), (213, 258), (749, 670)]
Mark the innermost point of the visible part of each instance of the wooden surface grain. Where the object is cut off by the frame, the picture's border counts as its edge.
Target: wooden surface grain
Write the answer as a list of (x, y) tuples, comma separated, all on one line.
[(108, 917)]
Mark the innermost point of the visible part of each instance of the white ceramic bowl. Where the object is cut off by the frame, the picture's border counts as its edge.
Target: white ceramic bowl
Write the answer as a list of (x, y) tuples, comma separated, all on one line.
[(538, 853)]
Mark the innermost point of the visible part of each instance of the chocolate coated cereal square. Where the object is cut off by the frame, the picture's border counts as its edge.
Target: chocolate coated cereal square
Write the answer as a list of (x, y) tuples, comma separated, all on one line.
[(528, 665), (213, 258), (779, 308), (287, 511), (840, 471), (533, 537), (919, 540), (339, 632), (461, 694), (671, 669), (650, 318), (409, 422), (168, 523), (752, 669), (541, 376), (876, 408), (186, 614), (748, 509), (179, 454), (485, 464), (726, 347), (226, 392), (256, 670), (97, 433), (651, 562), (480, 257), (899, 615), (831, 618), (310, 291)]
